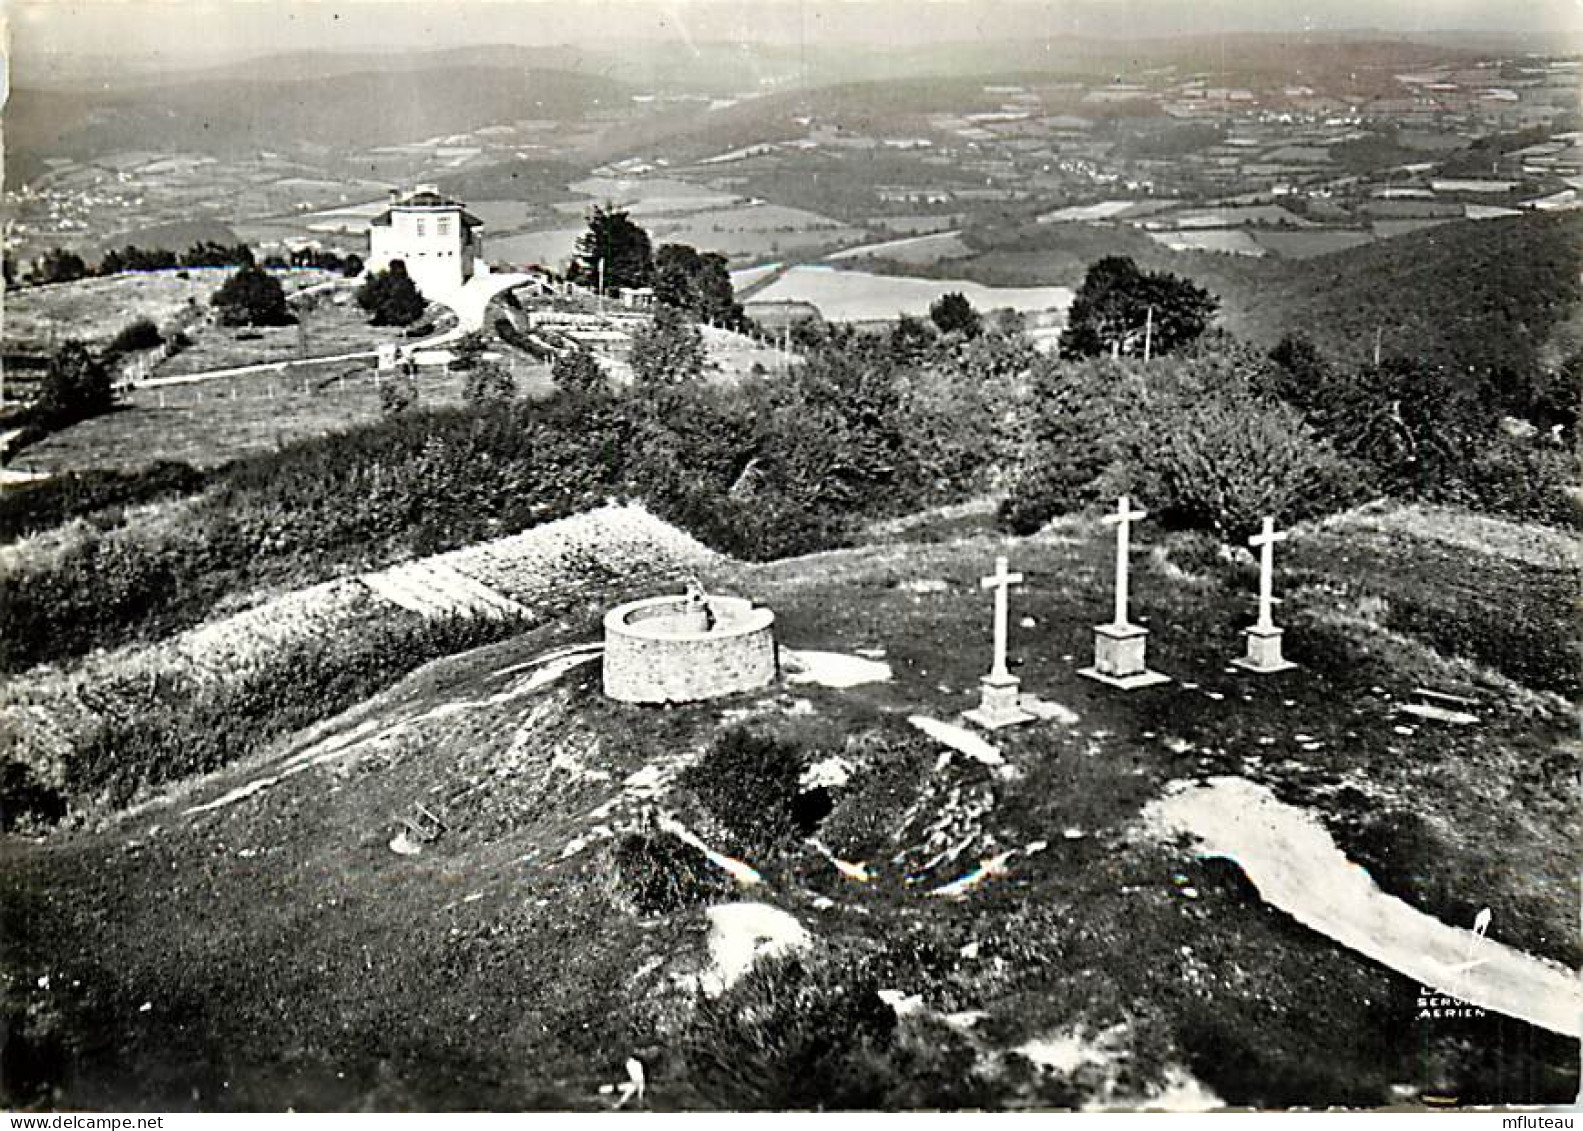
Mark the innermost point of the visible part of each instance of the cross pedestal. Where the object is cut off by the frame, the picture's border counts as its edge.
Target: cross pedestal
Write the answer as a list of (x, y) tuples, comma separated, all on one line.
[(1263, 638), (1264, 651), (1120, 646), (999, 702)]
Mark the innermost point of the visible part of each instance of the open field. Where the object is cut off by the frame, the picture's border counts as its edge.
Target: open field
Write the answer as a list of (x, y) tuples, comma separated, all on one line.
[(1305, 245), (646, 197), (1082, 957), (749, 232), (1226, 241), (216, 421), (325, 328), (859, 296), (93, 310), (933, 248)]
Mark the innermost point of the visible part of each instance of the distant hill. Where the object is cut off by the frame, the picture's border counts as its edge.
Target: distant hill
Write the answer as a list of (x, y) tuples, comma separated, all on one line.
[(1476, 294), (327, 112), (177, 236)]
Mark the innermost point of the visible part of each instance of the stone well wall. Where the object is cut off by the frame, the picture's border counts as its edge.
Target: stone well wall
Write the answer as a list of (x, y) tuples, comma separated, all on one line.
[(653, 656)]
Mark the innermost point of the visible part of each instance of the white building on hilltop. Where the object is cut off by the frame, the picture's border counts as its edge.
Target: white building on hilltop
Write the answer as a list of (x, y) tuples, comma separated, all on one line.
[(436, 238)]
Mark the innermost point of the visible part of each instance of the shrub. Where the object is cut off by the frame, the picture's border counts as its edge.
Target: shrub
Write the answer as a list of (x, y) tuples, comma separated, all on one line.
[(252, 297), (1078, 416), (25, 801), (1519, 479), (797, 1032), (658, 874), (669, 350), (748, 783), (578, 371), (139, 334), (38, 506), (868, 809), (392, 297), (1222, 461), (397, 395), (487, 381), (76, 386)]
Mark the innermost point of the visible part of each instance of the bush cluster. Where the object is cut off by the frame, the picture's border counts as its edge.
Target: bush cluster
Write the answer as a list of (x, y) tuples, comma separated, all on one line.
[(809, 1031), (796, 1033), (748, 783), (658, 874)]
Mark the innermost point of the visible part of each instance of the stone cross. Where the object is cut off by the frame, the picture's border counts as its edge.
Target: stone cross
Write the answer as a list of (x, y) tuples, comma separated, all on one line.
[(1123, 519), (1265, 542), (1000, 581)]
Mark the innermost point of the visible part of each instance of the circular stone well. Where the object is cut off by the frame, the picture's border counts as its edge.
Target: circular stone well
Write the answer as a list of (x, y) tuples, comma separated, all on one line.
[(663, 649)]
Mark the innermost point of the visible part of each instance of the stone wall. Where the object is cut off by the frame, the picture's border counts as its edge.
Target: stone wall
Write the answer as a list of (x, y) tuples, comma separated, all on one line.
[(655, 663)]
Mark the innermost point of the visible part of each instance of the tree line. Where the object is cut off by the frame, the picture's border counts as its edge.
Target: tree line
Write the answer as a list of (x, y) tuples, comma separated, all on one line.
[(61, 265)]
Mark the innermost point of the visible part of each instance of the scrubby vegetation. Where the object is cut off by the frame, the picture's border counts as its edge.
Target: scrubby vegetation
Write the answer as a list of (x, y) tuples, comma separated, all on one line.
[(659, 875), (167, 728), (748, 783), (1218, 436), (98, 496), (1212, 438)]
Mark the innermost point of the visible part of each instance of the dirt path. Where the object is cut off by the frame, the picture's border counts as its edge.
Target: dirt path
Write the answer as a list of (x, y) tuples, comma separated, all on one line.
[(1297, 867)]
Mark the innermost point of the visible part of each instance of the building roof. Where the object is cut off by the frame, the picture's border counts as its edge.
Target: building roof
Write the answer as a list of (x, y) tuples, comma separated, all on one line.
[(425, 198)]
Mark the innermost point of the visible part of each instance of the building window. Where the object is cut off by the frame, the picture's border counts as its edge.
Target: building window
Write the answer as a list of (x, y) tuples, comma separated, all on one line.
[(419, 223), (442, 226)]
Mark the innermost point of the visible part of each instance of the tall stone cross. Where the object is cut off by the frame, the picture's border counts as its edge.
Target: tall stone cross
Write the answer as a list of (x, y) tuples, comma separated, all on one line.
[(1123, 519), (1001, 582), (1265, 542)]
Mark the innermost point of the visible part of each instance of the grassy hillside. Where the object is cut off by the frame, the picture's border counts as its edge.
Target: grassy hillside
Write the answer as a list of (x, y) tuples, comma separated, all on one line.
[(556, 929)]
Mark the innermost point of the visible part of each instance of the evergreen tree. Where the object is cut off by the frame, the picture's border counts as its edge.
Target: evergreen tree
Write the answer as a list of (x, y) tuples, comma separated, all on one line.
[(612, 239), (953, 314)]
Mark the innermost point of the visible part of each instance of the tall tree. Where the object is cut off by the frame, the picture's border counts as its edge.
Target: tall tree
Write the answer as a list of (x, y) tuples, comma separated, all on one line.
[(1122, 310), (621, 246), (698, 282)]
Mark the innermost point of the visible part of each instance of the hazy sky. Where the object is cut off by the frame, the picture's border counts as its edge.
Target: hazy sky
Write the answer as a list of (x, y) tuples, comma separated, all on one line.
[(227, 28)]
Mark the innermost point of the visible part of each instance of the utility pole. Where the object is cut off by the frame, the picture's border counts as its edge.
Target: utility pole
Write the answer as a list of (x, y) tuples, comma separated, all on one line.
[(1379, 334), (601, 269), (1148, 336)]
